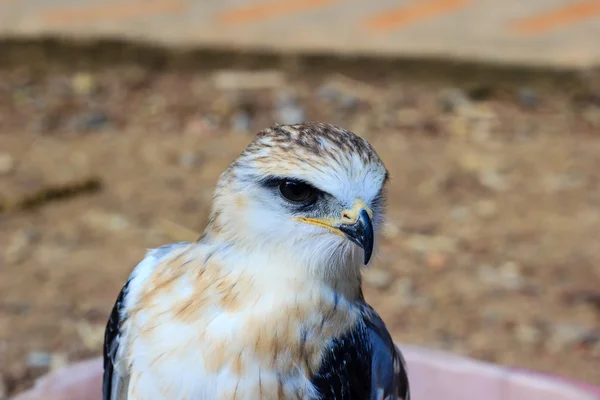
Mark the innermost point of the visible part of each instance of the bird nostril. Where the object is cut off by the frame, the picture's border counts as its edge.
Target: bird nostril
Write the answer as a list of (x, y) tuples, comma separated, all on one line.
[(346, 217)]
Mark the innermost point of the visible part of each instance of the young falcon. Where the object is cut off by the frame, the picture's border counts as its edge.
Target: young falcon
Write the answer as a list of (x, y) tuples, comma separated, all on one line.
[(267, 304)]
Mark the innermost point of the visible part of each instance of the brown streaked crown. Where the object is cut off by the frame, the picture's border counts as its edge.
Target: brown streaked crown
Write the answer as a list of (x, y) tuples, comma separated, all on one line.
[(311, 142)]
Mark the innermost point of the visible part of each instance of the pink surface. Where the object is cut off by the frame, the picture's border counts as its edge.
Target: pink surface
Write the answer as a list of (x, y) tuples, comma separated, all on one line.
[(433, 375)]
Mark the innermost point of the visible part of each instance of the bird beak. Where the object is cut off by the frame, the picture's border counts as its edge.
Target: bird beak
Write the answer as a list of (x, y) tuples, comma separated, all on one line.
[(355, 225), (361, 233)]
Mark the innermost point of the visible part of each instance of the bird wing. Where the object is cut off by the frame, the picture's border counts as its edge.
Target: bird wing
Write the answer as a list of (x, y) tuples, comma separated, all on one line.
[(363, 364), (115, 382), (389, 378), (116, 374)]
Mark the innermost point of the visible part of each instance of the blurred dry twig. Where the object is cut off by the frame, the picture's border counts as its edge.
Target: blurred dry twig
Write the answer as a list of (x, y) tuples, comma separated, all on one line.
[(46, 194)]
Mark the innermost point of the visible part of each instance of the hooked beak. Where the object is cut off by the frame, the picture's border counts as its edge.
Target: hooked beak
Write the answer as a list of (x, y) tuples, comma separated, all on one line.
[(355, 225), (361, 233)]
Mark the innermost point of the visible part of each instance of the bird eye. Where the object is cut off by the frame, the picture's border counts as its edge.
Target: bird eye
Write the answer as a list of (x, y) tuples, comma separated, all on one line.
[(297, 192)]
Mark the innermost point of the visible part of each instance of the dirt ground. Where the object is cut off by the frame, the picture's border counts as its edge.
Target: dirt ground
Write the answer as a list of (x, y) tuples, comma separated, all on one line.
[(491, 249)]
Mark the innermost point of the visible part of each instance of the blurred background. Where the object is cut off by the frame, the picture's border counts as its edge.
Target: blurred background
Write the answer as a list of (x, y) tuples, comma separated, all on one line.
[(116, 119)]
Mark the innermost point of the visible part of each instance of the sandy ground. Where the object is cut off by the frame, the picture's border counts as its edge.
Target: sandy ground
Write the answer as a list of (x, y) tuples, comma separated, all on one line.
[(491, 250)]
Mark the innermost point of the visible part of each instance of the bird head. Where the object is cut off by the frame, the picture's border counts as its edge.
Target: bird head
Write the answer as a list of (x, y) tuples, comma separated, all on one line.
[(312, 192)]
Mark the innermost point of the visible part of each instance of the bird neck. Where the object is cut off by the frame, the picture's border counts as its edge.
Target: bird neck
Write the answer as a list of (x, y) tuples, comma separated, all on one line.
[(275, 263), (348, 286)]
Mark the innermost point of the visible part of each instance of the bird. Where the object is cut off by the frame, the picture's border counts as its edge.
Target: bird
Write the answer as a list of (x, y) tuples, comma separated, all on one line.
[(268, 302)]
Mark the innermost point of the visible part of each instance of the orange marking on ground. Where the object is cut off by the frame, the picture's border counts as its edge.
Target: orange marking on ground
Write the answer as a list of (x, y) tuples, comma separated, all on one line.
[(558, 18), (113, 10), (269, 9), (412, 12)]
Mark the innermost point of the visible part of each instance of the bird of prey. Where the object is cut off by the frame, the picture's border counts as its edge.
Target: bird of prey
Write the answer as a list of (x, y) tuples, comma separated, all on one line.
[(267, 304)]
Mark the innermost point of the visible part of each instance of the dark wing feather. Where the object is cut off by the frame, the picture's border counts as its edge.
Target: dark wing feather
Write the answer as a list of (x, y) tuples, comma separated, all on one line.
[(389, 368), (345, 367), (111, 344), (363, 364)]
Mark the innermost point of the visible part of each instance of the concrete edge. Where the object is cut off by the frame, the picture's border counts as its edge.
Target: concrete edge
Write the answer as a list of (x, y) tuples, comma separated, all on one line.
[(39, 53)]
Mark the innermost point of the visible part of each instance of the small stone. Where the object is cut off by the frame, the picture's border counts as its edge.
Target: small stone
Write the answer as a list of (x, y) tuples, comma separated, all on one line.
[(289, 110), (491, 317), (510, 270), (480, 341), (427, 244), (403, 292), (342, 99), (473, 121), (201, 126), (528, 99), (493, 180), (19, 246), (7, 163), (507, 276), (91, 335), (428, 187), (118, 223), (189, 159), (460, 213), (563, 336), (290, 114), (248, 80), (486, 208), (527, 334), (349, 102), (59, 361), (242, 122), (39, 360), (328, 94), (562, 182), (404, 288), (377, 278), (89, 122), (224, 105), (101, 220), (346, 94), (83, 84), (436, 261), (486, 273), (155, 105), (475, 162), (390, 230), (452, 99), (96, 120)]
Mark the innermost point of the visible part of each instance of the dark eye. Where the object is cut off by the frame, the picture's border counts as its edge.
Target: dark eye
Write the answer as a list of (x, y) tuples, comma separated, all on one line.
[(297, 192)]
